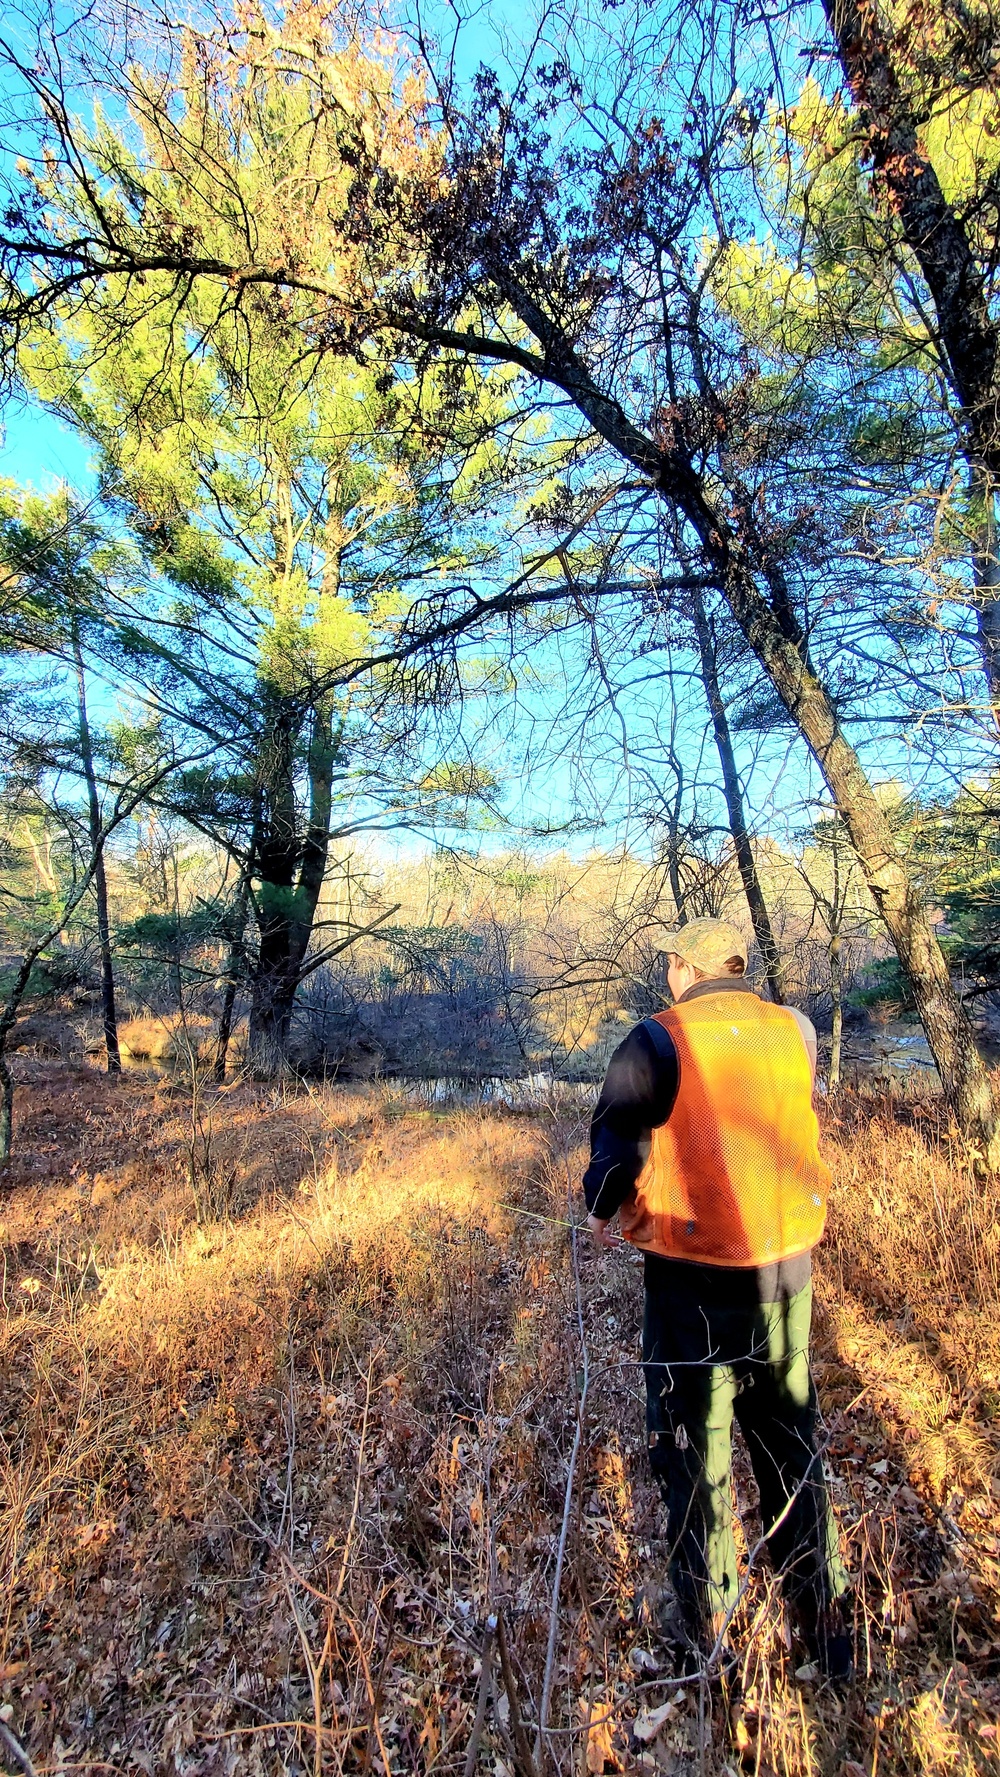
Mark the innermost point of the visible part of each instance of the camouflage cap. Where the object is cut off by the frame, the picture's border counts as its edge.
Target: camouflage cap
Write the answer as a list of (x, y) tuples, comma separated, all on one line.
[(708, 944)]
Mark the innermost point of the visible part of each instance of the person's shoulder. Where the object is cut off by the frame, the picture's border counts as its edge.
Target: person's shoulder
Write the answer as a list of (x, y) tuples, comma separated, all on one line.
[(650, 1031), (637, 1037), (650, 1037), (804, 1023)]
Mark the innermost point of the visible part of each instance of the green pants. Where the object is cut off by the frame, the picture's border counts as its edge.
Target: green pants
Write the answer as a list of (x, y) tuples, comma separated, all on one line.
[(710, 1352)]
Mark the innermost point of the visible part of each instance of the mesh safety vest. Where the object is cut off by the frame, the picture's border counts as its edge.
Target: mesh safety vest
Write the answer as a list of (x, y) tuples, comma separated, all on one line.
[(734, 1175)]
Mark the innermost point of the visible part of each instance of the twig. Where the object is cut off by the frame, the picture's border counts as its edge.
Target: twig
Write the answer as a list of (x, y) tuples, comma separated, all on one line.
[(550, 1652), (555, 1221), (485, 1675), (288, 1415), (300, 1723), (13, 1745), (523, 1750), (357, 1482), (380, 1680), (315, 1670), (376, 1725)]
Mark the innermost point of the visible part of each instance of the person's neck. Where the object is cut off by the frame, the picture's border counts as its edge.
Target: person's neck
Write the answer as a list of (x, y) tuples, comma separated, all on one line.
[(717, 984)]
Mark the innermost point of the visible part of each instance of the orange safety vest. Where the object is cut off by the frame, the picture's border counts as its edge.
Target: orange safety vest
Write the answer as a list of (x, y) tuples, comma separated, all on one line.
[(734, 1175)]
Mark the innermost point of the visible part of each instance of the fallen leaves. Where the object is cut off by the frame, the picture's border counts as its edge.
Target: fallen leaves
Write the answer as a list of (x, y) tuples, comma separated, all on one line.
[(649, 1722), (196, 1424), (600, 1726)]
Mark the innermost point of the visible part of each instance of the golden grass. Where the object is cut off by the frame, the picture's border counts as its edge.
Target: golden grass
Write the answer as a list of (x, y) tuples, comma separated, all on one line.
[(264, 1476), (170, 1038)]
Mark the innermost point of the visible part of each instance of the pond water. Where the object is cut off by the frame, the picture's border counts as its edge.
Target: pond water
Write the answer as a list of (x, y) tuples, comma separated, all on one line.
[(526, 1093), (898, 1052), (893, 1051)]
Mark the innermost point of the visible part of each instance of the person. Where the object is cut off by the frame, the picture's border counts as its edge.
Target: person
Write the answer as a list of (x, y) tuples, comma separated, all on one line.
[(705, 1144)]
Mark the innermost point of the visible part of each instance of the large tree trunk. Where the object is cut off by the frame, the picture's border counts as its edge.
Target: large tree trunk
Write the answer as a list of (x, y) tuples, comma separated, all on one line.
[(966, 334), (110, 1016), (759, 915), (290, 876), (277, 857), (270, 1025)]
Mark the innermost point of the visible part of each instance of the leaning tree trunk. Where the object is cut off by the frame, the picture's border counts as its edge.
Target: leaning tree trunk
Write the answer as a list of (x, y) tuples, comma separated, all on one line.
[(234, 953), (772, 633), (949, 1033), (763, 930), (9, 1011), (109, 1012)]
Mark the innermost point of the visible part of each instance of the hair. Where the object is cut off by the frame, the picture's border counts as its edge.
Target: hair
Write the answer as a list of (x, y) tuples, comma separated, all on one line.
[(733, 965)]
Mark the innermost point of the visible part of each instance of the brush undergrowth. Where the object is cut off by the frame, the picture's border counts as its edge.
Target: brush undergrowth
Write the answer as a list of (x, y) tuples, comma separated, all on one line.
[(265, 1477)]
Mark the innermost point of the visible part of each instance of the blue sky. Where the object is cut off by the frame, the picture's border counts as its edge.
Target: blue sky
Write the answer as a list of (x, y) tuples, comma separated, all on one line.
[(39, 451)]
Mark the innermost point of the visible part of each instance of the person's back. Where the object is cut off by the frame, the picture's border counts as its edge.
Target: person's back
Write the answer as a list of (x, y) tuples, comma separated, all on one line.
[(706, 1143), (734, 1175)]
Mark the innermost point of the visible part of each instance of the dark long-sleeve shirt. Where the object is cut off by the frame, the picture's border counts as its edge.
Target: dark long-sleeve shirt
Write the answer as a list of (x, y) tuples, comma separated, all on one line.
[(638, 1095)]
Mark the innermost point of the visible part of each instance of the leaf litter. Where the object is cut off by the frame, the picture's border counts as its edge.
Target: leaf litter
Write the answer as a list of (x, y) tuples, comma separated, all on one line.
[(266, 1480)]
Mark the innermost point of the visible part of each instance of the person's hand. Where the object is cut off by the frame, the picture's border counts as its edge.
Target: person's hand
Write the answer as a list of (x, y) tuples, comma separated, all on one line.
[(599, 1232)]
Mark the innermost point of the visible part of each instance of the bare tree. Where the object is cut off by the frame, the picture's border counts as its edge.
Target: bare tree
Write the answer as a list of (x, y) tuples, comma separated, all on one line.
[(828, 868), (760, 919), (127, 800)]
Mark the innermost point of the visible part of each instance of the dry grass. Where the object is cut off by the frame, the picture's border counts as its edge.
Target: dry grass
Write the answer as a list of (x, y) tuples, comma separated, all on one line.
[(265, 1476), (169, 1038)]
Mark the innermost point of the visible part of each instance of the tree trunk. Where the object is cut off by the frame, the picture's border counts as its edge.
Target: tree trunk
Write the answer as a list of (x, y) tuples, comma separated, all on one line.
[(226, 1017), (966, 335), (759, 916), (8, 1018), (674, 839), (773, 636), (235, 958), (986, 569), (277, 857), (290, 873), (837, 997), (110, 1016), (270, 1026), (6, 1109), (949, 1033)]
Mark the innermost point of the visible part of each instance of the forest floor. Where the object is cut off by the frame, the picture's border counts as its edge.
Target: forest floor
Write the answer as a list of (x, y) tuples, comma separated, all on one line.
[(290, 1386)]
